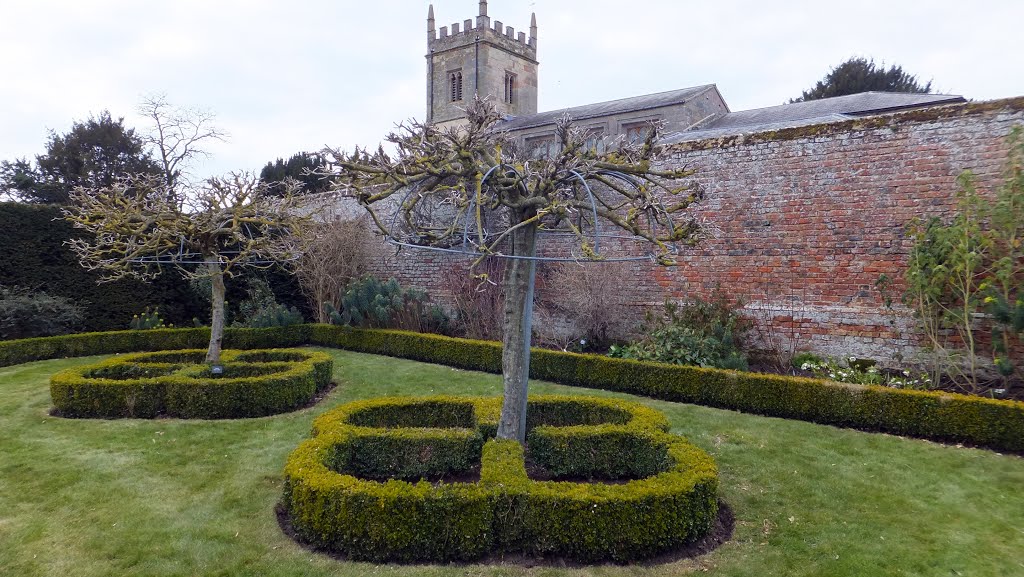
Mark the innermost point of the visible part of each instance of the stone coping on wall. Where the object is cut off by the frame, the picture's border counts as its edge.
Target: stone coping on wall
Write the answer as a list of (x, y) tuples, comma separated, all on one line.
[(917, 116)]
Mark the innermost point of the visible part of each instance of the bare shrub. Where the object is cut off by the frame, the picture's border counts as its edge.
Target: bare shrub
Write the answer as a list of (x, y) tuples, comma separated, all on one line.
[(478, 303), (593, 300), (335, 254)]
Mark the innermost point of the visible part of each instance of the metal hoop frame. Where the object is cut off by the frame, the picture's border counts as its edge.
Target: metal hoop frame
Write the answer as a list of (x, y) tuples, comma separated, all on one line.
[(467, 250)]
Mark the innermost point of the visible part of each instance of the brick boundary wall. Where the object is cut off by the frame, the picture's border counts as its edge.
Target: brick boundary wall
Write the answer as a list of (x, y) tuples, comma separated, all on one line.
[(804, 221)]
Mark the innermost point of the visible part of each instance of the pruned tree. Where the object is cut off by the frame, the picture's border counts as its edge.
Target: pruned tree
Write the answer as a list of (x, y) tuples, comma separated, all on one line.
[(473, 188), (140, 225), (177, 136)]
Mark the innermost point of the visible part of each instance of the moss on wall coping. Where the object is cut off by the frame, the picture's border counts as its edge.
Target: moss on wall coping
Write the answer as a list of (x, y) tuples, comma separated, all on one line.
[(892, 120)]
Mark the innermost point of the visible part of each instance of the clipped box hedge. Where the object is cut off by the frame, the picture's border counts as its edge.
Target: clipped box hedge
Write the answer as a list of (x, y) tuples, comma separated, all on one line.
[(88, 344), (940, 416), (175, 384), (936, 415), (337, 501)]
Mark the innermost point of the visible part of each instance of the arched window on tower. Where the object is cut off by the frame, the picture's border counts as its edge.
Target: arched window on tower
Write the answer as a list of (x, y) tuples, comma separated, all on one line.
[(510, 88), (455, 81)]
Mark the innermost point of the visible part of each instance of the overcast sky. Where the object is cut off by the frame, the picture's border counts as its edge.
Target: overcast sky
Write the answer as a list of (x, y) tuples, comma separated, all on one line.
[(284, 77)]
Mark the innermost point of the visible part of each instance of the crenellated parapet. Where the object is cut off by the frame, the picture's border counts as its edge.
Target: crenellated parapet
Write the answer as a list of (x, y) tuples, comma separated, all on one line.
[(480, 58), (482, 29)]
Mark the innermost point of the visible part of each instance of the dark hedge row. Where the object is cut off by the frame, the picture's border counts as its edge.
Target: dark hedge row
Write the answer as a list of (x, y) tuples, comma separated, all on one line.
[(336, 503), (33, 255), (932, 415), (147, 385)]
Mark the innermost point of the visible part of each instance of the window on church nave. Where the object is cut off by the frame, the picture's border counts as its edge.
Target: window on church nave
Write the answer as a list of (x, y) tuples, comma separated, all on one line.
[(637, 131), (542, 146), (595, 141), (455, 80)]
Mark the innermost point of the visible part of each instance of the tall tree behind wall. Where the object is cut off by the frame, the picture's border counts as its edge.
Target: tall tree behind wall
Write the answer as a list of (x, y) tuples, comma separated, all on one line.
[(94, 153), (301, 167), (861, 75)]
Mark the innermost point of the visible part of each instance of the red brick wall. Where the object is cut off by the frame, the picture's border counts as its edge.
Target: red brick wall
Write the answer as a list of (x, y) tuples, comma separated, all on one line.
[(804, 221)]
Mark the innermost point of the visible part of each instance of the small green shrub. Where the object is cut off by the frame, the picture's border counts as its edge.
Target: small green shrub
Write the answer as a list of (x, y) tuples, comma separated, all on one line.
[(802, 358), (865, 372), (86, 344), (698, 332), (261, 309), (149, 319), (335, 504), (275, 315), (148, 385), (26, 314), (370, 303)]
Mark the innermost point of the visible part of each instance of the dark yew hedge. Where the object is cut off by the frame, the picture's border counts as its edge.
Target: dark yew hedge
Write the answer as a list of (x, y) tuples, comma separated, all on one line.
[(33, 255), (939, 416), (336, 502)]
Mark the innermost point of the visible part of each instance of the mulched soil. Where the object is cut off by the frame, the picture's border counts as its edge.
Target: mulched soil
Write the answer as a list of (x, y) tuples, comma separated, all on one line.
[(538, 473), (470, 476), (720, 533)]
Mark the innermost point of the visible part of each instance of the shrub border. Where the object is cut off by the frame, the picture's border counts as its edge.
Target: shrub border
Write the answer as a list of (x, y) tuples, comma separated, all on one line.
[(506, 511), (182, 393), (939, 416)]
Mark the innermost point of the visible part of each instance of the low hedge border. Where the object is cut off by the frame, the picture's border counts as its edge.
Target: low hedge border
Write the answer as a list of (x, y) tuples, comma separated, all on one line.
[(938, 416), (147, 385), (334, 506), (88, 344)]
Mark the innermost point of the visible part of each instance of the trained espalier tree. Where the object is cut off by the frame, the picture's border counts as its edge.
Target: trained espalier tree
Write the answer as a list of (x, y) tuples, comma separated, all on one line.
[(471, 189), (140, 225)]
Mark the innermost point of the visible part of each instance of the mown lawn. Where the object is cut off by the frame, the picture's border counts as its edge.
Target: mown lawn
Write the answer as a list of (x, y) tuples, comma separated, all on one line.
[(85, 498)]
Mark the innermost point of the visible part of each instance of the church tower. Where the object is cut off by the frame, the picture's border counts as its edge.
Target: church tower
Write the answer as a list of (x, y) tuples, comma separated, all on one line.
[(480, 59)]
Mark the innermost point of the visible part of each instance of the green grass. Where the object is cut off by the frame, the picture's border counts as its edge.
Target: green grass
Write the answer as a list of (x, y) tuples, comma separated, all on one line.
[(166, 497)]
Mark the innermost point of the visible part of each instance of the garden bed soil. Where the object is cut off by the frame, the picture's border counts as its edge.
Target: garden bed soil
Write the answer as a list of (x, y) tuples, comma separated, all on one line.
[(536, 472), (470, 476)]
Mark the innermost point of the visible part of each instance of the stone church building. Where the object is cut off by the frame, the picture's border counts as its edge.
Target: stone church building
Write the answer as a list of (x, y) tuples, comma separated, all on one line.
[(807, 203)]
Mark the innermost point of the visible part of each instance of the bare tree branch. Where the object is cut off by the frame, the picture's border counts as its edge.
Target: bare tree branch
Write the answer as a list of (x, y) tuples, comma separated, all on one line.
[(178, 136), (471, 186)]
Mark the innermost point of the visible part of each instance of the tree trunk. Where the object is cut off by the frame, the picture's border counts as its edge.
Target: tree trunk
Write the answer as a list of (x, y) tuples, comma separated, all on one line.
[(515, 355), (217, 304)]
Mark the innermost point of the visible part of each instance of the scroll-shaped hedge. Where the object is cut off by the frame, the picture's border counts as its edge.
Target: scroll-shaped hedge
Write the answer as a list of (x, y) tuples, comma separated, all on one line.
[(338, 499), (254, 383)]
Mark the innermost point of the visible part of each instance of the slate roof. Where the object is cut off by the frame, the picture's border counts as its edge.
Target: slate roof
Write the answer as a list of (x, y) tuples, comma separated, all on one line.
[(837, 109), (601, 109)]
